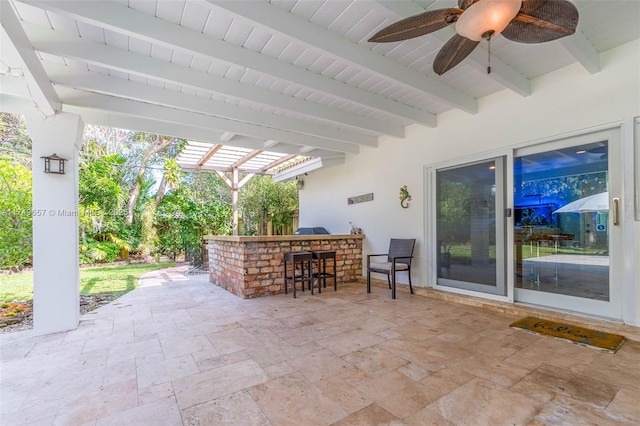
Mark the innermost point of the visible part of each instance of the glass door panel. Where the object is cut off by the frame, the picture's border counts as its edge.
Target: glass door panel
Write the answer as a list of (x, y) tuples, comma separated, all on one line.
[(561, 222), (469, 232), (562, 227)]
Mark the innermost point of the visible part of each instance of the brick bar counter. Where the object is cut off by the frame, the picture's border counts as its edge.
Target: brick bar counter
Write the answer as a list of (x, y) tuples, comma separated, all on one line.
[(253, 266)]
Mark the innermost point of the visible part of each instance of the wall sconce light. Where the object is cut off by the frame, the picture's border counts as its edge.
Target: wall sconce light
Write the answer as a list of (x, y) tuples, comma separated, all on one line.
[(54, 164), (299, 183)]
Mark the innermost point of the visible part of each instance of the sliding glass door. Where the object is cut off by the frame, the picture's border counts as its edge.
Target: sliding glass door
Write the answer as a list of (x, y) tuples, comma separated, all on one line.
[(470, 227), (566, 225)]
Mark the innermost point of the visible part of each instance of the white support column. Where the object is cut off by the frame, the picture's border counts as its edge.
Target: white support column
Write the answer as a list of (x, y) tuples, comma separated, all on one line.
[(55, 224), (234, 201)]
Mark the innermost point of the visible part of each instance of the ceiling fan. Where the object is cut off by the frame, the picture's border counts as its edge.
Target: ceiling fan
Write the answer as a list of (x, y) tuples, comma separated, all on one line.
[(523, 21)]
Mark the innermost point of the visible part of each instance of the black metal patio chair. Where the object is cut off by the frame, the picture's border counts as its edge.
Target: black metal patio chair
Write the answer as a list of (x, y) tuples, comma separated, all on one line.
[(399, 259)]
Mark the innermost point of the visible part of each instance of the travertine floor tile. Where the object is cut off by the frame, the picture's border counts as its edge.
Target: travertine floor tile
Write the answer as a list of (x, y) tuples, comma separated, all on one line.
[(371, 415), (183, 351), (293, 400), (230, 410), (567, 411), (199, 388), (397, 394), (163, 412), (481, 402)]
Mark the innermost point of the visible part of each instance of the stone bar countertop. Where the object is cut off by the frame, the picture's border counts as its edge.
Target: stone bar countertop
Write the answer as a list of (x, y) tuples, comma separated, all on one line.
[(251, 266)]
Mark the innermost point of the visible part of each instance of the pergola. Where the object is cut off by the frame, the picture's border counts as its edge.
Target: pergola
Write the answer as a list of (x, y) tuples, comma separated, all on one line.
[(229, 162)]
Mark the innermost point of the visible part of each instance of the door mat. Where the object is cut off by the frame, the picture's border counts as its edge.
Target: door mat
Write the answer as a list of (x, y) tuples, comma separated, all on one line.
[(571, 333)]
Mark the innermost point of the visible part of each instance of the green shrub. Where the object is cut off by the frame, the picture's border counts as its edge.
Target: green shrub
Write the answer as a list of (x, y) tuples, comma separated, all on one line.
[(99, 252)]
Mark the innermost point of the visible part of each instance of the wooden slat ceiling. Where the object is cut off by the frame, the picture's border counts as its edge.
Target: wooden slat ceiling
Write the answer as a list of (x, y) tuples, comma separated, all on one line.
[(284, 76)]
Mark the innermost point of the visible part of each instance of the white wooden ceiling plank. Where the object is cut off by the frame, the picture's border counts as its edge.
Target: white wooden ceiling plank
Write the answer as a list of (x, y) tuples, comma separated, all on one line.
[(124, 106), (262, 13), (90, 67), (56, 59), (59, 44), (238, 32), (304, 9), (362, 31), (200, 63), (64, 23), (146, 6), (128, 21), (307, 58), (170, 11), (235, 73), (257, 40), (275, 46), (42, 93), (134, 91), (32, 14), (195, 16), (218, 68), (279, 86), (91, 32), (291, 53), (184, 59), (217, 25), (327, 13), (335, 69), (140, 46), (349, 17), (161, 52), (250, 78), (321, 64), (116, 39)]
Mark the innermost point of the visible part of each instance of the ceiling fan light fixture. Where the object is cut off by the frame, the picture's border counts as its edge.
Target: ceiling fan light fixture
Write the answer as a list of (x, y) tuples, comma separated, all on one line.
[(485, 16)]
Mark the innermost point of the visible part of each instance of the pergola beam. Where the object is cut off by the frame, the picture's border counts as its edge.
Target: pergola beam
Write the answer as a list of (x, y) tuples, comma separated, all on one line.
[(209, 154)]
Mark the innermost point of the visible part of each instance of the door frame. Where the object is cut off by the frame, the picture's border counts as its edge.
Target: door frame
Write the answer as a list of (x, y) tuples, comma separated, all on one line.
[(430, 223), (619, 262)]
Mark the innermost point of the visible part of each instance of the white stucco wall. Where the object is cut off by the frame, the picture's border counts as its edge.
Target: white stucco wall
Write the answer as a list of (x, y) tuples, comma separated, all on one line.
[(569, 101)]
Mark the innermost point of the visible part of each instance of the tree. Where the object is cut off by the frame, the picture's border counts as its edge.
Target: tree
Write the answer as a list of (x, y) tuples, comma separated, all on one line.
[(262, 201), (153, 145), (16, 219), (182, 220)]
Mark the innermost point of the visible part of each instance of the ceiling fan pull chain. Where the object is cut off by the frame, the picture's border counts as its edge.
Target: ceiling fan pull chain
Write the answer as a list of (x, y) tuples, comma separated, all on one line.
[(489, 56)]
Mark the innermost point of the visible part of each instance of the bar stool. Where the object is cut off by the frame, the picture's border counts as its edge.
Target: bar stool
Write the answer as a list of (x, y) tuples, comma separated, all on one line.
[(321, 256), (301, 260)]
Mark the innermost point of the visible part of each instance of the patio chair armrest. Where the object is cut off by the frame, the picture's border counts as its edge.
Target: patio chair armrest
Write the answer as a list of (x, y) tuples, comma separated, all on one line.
[(369, 256), (393, 259)]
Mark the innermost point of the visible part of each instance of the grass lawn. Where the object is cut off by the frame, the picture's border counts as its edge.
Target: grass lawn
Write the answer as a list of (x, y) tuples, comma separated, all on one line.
[(116, 279)]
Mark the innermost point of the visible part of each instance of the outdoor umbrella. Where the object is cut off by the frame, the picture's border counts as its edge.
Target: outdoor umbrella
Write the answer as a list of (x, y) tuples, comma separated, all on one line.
[(592, 203)]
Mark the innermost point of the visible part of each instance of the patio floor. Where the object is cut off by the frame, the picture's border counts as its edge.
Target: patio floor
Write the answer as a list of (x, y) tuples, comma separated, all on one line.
[(181, 351)]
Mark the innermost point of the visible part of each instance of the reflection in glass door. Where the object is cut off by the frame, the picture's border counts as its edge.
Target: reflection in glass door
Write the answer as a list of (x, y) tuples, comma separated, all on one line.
[(563, 225), (469, 232)]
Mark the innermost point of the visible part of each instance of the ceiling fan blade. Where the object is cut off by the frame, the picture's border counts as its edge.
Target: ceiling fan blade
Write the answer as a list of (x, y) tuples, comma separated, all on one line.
[(452, 53), (464, 4), (415, 26), (542, 20)]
